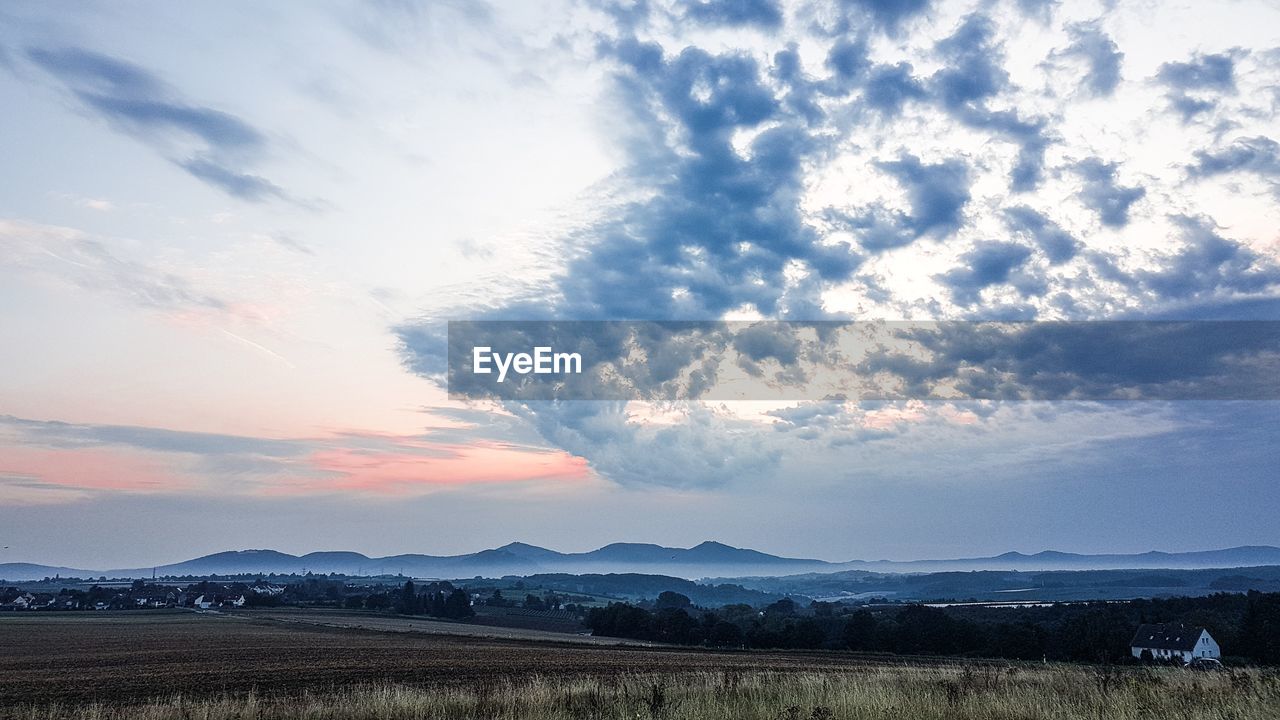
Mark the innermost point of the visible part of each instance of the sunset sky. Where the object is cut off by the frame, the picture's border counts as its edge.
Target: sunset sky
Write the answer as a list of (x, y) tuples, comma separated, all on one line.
[(230, 231)]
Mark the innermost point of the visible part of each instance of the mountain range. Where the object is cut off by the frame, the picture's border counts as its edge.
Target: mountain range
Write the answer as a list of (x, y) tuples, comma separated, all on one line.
[(704, 560), (708, 559)]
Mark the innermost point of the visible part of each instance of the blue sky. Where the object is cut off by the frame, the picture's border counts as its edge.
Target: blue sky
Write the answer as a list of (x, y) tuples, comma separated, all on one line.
[(229, 234)]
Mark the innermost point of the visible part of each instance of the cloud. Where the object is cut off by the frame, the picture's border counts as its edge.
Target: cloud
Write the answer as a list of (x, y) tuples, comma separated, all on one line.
[(211, 145), (87, 262), (1104, 195), (1057, 244), (1209, 265), (89, 458), (1040, 9), (737, 158), (988, 263), (719, 223), (1100, 53), (1256, 155), (1203, 72), (734, 13), (238, 185), (889, 87), (936, 192), (399, 25), (1082, 360), (888, 15), (973, 74), (1193, 85)]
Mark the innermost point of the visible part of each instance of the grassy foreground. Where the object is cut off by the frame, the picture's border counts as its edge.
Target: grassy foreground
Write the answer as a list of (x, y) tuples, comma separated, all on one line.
[(904, 693)]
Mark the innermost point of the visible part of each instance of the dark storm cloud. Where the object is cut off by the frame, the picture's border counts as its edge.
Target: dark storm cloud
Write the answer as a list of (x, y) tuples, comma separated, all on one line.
[(1103, 57), (1057, 244), (1256, 155), (218, 145), (988, 263), (1103, 194), (735, 13)]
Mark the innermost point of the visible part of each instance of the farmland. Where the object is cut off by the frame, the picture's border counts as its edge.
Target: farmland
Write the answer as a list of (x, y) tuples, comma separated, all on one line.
[(128, 657), (157, 666)]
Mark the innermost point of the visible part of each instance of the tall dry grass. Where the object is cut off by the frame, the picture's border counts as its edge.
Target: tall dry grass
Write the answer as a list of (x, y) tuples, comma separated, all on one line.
[(899, 693)]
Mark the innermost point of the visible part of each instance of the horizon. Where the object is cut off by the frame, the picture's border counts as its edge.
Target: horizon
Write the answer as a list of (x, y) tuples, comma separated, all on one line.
[(828, 561), (235, 282)]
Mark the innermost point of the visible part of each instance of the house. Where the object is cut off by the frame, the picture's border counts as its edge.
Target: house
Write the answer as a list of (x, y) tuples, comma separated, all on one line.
[(1173, 640), (202, 603)]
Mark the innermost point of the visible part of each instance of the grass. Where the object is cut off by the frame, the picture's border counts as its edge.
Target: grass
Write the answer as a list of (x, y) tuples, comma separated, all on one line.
[(898, 693)]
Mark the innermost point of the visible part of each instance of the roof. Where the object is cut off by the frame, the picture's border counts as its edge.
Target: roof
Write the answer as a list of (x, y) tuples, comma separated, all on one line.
[(1168, 636)]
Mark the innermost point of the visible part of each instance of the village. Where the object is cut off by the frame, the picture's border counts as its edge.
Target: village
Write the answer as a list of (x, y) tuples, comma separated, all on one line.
[(139, 595)]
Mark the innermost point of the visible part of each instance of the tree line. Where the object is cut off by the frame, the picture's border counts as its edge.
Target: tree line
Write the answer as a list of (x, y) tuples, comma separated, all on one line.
[(1247, 627)]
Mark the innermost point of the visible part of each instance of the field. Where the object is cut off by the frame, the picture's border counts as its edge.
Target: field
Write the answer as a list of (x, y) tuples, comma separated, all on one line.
[(156, 666)]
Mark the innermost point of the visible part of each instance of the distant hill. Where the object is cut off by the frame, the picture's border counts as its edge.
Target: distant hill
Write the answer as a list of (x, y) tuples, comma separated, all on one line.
[(708, 559), (1245, 556)]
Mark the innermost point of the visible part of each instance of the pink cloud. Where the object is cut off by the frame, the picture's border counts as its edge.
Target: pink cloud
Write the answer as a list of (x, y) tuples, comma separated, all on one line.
[(110, 469), (399, 471)]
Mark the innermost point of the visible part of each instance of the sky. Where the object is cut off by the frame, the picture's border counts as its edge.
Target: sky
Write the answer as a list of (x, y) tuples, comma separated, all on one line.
[(231, 232)]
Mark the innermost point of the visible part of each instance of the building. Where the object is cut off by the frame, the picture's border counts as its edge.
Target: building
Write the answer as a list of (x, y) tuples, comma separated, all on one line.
[(1174, 640)]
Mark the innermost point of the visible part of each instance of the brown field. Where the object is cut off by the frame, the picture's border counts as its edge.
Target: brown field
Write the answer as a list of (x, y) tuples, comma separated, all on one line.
[(132, 656), (278, 665)]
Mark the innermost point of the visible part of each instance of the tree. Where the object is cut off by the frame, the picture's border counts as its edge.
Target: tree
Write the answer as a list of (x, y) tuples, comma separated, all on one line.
[(408, 602), (619, 620), (724, 634), (806, 635), (822, 609), (860, 631), (458, 605), (436, 605), (673, 625), (533, 602), (1260, 628), (669, 599), (786, 607)]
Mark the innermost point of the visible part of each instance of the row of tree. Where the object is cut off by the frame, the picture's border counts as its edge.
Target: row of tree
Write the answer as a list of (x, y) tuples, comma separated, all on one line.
[(1247, 626)]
